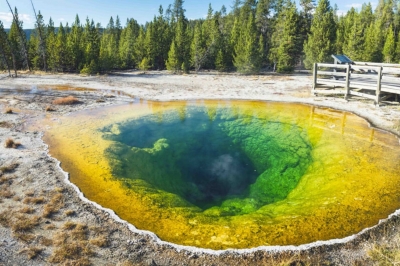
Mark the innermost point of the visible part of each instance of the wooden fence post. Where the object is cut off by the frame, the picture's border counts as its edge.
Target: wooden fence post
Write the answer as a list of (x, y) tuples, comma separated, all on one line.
[(314, 79), (378, 87), (346, 96)]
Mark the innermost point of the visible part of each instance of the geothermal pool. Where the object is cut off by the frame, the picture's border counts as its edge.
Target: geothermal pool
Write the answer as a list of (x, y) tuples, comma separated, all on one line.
[(232, 174)]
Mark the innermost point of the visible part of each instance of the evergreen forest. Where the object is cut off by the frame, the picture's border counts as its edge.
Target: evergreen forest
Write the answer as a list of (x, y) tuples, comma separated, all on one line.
[(266, 34)]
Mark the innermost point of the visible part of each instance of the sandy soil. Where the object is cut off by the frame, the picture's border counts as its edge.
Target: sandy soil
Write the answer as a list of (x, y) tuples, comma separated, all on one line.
[(44, 220)]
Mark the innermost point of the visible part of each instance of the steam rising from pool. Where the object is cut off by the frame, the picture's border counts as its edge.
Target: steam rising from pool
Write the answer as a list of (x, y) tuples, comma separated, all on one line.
[(232, 174)]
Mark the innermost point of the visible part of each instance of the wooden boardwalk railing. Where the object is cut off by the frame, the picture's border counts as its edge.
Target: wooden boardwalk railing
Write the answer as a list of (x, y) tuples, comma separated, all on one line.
[(369, 80)]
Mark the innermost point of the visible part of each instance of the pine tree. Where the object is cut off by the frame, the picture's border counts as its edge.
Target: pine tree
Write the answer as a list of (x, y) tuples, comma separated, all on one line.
[(340, 36), (305, 20), (397, 58), (373, 43), (321, 41), (286, 40), (264, 23), (91, 47), (51, 45), (128, 39), (210, 35), (223, 59), (75, 45), (118, 29), (198, 50), (396, 18), (236, 5), (173, 59), (247, 57), (15, 42), (263, 11), (150, 43), (6, 50), (182, 42), (145, 64), (180, 48), (389, 49), (140, 48), (366, 15), (109, 47), (162, 34), (37, 44), (35, 57), (178, 12), (18, 38), (60, 55), (354, 46), (384, 13)]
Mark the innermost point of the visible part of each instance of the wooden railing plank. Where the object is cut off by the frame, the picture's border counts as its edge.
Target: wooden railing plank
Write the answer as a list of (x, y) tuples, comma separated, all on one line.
[(331, 73)]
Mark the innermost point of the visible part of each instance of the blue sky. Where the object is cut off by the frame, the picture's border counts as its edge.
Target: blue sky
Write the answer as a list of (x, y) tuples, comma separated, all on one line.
[(101, 11)]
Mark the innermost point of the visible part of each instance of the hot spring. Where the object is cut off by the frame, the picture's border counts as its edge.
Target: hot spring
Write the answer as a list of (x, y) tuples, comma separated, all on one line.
[(232, 174)]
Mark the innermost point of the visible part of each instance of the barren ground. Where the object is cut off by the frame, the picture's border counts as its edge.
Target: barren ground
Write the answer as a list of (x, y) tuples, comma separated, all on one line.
[(44, 221)]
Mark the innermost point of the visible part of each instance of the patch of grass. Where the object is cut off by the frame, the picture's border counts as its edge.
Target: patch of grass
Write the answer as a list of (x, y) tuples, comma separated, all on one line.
[(49, 210), (45, 241), (55, 204), (32, 252), (125, 263), (49, 109), (17, 198), (24, 237), (66, 101), (5, 219), (71, 251), (30, 193), (60, 238), (100, 241), (100, 101), (387, 253), (50, 227), (24, 224), (27, 210), (9, 168), (6, 193), (69, 213), (5, 124), (80, 232), (10, 143), (5, 179), (32, 200), (8, 111), (69, 225), (78, 262), (96, 230), (75, 231)]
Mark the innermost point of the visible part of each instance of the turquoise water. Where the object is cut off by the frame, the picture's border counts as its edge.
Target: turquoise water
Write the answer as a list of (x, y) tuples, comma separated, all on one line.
[(241, 163)]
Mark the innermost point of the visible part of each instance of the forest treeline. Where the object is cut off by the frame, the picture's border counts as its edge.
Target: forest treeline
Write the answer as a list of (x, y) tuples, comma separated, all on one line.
[(254, 34)]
